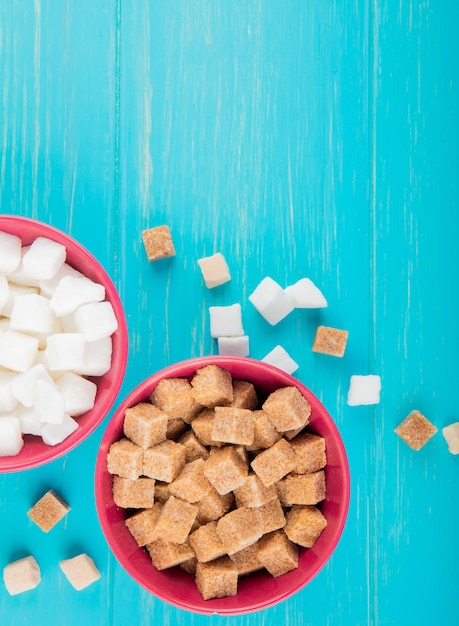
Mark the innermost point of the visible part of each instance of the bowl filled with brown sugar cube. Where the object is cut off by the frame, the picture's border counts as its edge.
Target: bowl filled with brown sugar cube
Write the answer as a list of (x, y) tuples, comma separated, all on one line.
[(222, 485)]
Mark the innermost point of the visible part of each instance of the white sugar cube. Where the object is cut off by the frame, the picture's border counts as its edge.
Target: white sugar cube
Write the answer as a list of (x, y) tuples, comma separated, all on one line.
[(95, 320), (10, 252), (364, 390), (53, 434), (21, 275), (21, 575), (226, 321), (234, 346), (48, 286), (281, 359), (72, 292), (24, 384), (80, 571), (44, 258), (32, 313), (7, 399), (14, 291), (30, 422), (451, 435), (97, 358), (17, 350), (271, 301), (215, 270), (11, 441), (79, 393), (304, 294), (49, 403), (4, 291), (65, 351)]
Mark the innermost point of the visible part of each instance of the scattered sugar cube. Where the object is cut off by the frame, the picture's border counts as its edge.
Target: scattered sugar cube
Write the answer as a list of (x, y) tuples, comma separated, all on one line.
[(158, 243), (48, 511), (175, 520), (80, 571), (125, 458), (280, 358), (73, 292), (233, 346), (145, 424), (166, 554), (217, 579), (164, 461), (8, 400), (331, 341), (53, 434), (133, 494), (277, 553), (271, 301), (206, 543), (274, 463), (174, 397), (97, 357), (10, 252), (212, 386), (364, 390), (44, 258), (11, 441), (17, 350), (95, 320), (304, 294), (451, 435), (226, 321), (78, 393), (304, 524), (32, 313), (21, 575), (287, 409), (65, 351), (215, 270), (416, 430), (142, 524)]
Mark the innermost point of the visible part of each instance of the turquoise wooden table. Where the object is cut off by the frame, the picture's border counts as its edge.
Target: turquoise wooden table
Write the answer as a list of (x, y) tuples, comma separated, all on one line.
[(313, 138)]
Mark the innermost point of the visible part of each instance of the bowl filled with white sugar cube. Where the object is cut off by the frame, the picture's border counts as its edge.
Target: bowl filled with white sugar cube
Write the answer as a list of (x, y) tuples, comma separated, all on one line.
[(222, 485), (63, 343)]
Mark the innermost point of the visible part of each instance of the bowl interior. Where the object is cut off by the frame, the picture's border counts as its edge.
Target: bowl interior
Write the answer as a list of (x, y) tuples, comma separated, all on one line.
[(34, 452), (258, 590)]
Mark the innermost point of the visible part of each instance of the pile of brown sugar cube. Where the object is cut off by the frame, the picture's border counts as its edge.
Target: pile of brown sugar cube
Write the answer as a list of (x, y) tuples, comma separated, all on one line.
[(219, 482)]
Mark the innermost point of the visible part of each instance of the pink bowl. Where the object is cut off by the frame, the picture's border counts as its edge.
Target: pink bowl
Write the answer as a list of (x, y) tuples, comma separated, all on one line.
[(259, 590), (34, 452)]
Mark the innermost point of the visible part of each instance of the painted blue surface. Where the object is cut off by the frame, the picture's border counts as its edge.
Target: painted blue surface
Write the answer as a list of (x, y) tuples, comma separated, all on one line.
[(299, 138)]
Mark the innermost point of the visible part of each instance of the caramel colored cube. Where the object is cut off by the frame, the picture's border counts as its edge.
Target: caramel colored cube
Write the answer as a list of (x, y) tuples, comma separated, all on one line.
[(331, 341), (203, 426), (190, 565), (271, 516), (217, 579), (304, 524), (233, 425), (145, 424), (191, 484), (212, 385), (244, 395), (264, 435), (194, 449), (274, 463), (253, 492), (277, 553), (302, 488), (125, 458), (164, 461), (133, 494), (174, 397), (141, 525), (239, 528), (175, 427), (175, 520), (416, 430), (48, 511), (165, 554), (214, 506), (287, 409), (80, 571), (225, 469), (246, 560), (158, 243), (162, 492), (310, 453), (206, 543)]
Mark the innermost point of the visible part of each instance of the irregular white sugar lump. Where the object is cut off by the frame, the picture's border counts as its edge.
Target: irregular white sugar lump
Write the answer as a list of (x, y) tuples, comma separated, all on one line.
[(97, 358), (21, 575), (32, 313), (53, 434), (11, 441), (30, 422), (280, 358), (304, 294), (215, 270), (226, 321), (44, 258), (271, 301), (65, 351), (364, 390), (451, 435), (79, 393), (72, 292), (4, 291), (7, 399), (17, 350), (10, 252), (95, 320), (14, 291), (24, 384), (80, 571), (48, 286), (49, 402), (233, 346)]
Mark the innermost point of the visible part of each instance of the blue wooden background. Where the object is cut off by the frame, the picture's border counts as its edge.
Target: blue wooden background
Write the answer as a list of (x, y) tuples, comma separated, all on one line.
[(299, 138)]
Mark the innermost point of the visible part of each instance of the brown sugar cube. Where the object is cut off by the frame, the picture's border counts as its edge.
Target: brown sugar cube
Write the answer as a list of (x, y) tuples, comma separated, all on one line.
[(80, 571), (233, 425), (191, 484), (202, 427), (158, 243), (175, 427), (214, 506), (287, 409), (164, 461), (212, 385), (225, 469), (416, 430), (330, 341), (302, 488), (271, 516), (264, 433), (244, 395), (217, 579), (141, 525), (277, 553), (133, 494), (174, 397), (189, 565), (125, 458), (253, 492), (194, 449), (310, 453), (48, 511), (145, 424), (175, 520), (165, 554), (239, 528), (246, 560), (206, 543), (304, 524), (274, 463), (162, 492)]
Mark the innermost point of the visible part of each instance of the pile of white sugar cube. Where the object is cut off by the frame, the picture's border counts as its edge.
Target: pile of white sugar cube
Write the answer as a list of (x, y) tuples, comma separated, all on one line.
[(55, 331)]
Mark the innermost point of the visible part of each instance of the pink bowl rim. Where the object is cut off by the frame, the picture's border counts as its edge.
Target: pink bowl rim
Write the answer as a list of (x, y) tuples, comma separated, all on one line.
[(222, 606)]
